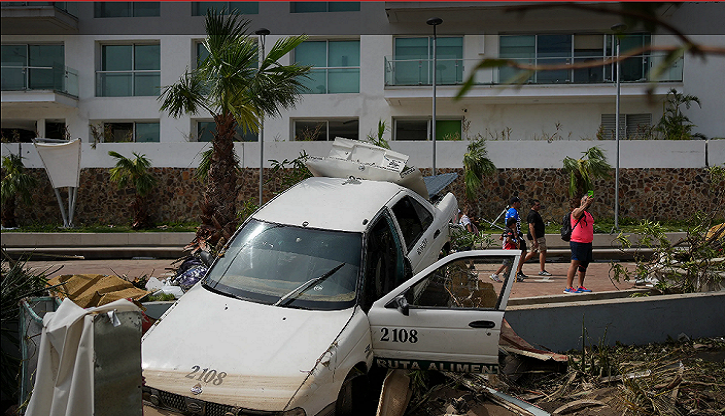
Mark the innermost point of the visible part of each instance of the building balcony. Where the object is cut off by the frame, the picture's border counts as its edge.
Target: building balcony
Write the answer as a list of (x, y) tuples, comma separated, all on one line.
[(411, 79), (39, 18), (24, 85)]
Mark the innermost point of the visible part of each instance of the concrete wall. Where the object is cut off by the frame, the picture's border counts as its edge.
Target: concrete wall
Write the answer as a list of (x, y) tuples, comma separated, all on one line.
[(504, 153), (558, 327)]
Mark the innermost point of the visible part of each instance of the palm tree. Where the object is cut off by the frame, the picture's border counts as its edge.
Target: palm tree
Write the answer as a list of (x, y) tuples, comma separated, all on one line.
[(135, 172), (236, 91), (582, 172), (674, 125), (16, 182), (476, 165)]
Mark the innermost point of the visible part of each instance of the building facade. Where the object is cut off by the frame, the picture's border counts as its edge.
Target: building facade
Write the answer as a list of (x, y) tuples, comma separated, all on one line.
[(94, 71)]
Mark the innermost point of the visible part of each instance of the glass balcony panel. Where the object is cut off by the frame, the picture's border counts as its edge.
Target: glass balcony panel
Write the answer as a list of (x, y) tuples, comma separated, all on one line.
[(14, 78), (344, 80), (147, 84), (558, 76), (588, 75), (449, 71)]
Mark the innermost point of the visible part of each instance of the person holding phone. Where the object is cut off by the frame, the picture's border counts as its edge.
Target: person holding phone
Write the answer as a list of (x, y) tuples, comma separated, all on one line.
[(582, 236)]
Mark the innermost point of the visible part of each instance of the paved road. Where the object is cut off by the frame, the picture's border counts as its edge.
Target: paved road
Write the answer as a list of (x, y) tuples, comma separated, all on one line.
[(597, 280)]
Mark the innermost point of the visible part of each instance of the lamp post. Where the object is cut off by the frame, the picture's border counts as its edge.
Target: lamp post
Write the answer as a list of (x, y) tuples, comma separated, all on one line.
[(618, 29), (262, 33), (434, 21)]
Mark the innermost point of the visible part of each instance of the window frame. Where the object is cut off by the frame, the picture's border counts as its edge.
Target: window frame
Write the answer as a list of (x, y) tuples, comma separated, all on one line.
[(132, 72), (295, 5), (328, 69), (240, 135), (230, 5), (327, 129), (429, 123), (425, 64), (99, 6), (573, 76), (134, 130)]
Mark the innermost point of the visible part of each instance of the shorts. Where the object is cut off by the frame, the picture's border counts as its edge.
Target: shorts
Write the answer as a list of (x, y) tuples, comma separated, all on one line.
[(581, 252), (542, 245)]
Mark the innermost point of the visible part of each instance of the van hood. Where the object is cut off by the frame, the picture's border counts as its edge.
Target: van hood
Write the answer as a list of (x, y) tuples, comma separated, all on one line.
[(239, 353)]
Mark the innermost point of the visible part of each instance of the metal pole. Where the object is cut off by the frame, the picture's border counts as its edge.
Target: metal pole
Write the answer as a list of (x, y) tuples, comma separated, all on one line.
[(434, 21), (262, 33), (616, 135), (618, 29)]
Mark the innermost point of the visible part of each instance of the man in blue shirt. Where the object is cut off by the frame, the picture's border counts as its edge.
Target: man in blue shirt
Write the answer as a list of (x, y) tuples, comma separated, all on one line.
[(513, 212)]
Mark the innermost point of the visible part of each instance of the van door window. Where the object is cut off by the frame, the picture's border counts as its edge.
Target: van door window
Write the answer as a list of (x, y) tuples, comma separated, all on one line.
[(384, 265), (413, 219)]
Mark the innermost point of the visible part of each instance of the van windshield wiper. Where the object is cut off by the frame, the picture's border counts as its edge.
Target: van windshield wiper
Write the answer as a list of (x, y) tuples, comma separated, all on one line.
[(289, 297)]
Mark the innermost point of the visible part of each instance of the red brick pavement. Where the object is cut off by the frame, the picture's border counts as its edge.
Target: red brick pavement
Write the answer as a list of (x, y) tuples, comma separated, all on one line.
[(597, 276)]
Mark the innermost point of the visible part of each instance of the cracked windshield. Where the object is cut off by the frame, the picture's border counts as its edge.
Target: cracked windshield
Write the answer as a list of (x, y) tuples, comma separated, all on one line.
[(289, 266)]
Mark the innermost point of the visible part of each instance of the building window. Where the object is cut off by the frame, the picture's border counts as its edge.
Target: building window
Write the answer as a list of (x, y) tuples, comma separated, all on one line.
[(631, 126), (205, 131), (413, 61), (126, 9), (336, 66), (557, 49), (139, 132), (325, 130), (33, 67), (202, 53), (129, 70), (324, 6), (418, 129), (200, 8)]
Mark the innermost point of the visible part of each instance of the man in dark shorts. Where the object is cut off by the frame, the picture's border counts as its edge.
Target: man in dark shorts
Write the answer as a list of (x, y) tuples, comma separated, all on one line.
[(536, 235)]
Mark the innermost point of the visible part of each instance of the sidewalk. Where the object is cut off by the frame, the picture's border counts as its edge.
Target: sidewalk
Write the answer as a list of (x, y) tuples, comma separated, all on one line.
[(597, 276)]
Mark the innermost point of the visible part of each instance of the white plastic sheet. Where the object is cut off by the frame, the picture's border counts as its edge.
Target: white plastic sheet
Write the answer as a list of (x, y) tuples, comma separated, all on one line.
[(64, 379)]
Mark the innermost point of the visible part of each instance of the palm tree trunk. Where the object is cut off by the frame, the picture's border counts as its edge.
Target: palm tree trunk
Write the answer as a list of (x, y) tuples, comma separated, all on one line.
[(219, 213)]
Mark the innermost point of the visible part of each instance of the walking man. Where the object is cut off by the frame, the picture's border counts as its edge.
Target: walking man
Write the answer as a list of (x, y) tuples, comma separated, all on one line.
[(513, 212), (582, 235), (536, 235)]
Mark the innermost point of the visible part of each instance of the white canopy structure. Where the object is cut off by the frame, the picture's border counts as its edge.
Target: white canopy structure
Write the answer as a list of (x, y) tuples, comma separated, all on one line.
[(62, 162)]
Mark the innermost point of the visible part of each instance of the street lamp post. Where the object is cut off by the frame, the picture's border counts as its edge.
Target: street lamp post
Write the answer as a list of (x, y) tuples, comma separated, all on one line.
[(434, 21), (262, 33), (618, 30)]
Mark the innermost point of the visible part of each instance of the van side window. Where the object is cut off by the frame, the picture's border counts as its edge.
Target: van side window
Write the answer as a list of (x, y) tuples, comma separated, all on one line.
[(384, 263), (413, 218)]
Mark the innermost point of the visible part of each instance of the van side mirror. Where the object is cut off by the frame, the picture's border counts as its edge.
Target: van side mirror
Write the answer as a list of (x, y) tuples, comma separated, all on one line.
[(400, 303)]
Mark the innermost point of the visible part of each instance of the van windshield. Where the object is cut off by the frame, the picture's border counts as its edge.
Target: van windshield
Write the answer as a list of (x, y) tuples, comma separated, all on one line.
[(289, 266)]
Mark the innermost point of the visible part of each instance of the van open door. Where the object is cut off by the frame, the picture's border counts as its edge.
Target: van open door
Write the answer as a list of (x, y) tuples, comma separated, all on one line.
[(445, 318)]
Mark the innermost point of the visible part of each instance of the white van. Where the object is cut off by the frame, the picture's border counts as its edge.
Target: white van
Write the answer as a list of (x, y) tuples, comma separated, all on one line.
[(327, 280)]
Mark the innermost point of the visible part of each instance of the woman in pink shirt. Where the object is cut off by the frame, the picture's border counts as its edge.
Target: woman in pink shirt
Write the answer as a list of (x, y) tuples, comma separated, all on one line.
[(582, 235)]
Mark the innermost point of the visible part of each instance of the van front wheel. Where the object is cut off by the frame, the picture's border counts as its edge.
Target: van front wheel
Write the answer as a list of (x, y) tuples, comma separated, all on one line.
[(351, 401)]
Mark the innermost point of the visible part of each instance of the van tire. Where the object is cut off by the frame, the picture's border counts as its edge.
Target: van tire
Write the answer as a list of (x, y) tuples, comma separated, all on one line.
[(351, 401)]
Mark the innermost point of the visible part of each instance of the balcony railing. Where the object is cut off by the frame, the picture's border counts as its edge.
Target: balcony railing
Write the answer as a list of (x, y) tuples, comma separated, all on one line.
[(59, 78), (408, 72), (69, 7)]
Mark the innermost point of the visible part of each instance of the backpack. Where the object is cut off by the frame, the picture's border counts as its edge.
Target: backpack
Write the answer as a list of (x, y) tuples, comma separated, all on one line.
[(566, 228)]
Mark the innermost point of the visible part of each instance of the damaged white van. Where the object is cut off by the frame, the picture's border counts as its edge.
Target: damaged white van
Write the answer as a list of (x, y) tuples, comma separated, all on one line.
[(327, 280)]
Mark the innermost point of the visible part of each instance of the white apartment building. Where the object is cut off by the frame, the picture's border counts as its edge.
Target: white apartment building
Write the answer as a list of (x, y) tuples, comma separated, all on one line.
[(71, 66)]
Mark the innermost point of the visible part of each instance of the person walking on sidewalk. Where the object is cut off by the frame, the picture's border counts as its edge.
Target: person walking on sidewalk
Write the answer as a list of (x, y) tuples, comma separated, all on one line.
[(511, 241), (582, 235), (537, 236), (513, 212)]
